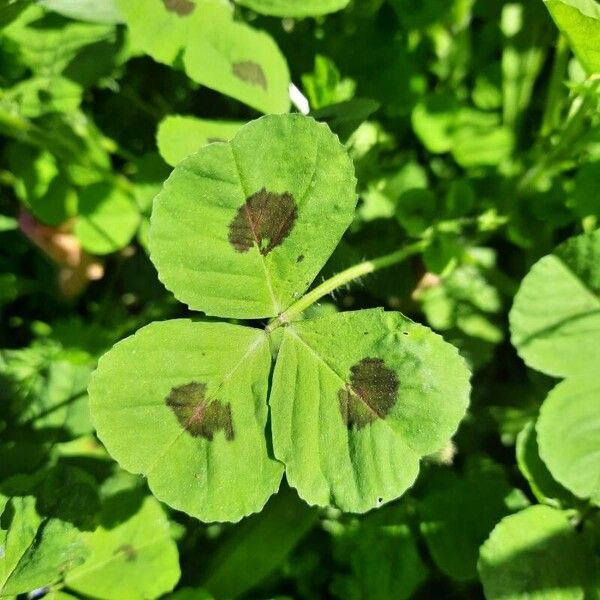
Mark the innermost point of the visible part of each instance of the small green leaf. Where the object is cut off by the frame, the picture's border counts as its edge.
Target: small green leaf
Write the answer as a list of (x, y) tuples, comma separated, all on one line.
[(108, 218), (379, 558), (358, 398), (94, 11), (536, 554), (242, 228), (191, 415), (579, 22), (179, 136), (294, 8), (135, 558), (458, 514), (258, 546), (545, 488), (569, 435), (555, 317)]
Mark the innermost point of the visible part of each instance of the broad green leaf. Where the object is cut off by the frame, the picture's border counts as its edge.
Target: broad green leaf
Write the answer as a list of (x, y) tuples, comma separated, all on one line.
[(41, 186), (536, 555), (130, 559), (478, 146), (569, 435), (458, 513), (357, 399), (555, 317), (95, 11), (242, 228), (294, 8), (579, 22), (545, 488), (259, 545), (178, 136), (218, 52), (191, 415), (433, 120), (57, 547), (18, 527), (108, 218), (379, 557)]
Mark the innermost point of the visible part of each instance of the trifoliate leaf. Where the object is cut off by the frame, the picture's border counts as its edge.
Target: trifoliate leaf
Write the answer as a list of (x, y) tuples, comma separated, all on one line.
[(191, 415), (555, 317), (357, 399), (536, 554), (136, 558), (294, 8), (579, 22), (108, 218), (242, 228), (569, 435), (218, 52), (178, 137)]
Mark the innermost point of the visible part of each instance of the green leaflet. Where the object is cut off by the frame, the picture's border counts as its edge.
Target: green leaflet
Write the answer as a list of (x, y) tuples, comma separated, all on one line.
[(380, 556), (178, 136), (568, 432), (536, 554), (108, 218), (357, 399), (458, 513), (218, 52), (242, 228), (579, 22), (94, 11), (294, 8), (258, 546), (555, 317), (130, 559), (545, 488), (191, 415)]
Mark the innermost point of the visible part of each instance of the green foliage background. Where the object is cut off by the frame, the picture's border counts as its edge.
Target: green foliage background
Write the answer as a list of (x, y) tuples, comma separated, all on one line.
[(473, 127)]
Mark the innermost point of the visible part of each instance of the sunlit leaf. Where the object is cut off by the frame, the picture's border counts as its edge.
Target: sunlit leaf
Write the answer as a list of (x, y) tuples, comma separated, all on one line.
[(242, 228), (579, 22), (536, 553), (356, 391), (555, 317), (569, 435), (130, 556), (294, 8), (179, 136), (191, 416)]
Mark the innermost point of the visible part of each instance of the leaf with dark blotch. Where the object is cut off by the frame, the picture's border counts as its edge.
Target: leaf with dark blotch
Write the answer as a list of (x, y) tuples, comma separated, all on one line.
[(199, 416), (265, 220), (370, 394), (250, 72), (180, 7)]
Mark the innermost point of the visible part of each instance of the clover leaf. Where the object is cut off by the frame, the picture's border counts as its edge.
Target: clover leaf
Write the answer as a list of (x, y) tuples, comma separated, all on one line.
[(240, 230)]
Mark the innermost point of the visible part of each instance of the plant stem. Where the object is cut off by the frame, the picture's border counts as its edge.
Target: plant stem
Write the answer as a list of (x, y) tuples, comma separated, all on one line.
[(342, 278), (556, 87)]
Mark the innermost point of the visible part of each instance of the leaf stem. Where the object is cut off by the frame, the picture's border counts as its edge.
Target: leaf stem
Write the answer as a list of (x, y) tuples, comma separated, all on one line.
[(556, 86), (342, 278)]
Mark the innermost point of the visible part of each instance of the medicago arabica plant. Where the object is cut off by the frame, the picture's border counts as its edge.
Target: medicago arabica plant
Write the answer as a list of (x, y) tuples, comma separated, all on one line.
[(211, 412)]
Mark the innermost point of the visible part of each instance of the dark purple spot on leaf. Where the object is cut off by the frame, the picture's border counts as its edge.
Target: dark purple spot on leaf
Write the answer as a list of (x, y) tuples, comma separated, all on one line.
[(264, 220), (128, 551), (370, 395), (200, 417), (180, 7), (300, 258), (250, 72)]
